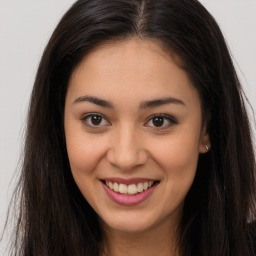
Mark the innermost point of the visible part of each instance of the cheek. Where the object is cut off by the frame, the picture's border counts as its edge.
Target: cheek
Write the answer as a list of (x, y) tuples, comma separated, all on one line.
[(84, 152), (178, 155), (178, 160)]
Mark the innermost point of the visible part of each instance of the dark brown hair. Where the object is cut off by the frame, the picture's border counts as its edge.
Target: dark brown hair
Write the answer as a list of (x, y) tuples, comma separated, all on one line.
[(54, 218)]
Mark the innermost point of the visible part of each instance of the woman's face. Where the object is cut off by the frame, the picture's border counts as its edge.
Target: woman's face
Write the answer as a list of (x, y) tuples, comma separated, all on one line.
[(134, 131)]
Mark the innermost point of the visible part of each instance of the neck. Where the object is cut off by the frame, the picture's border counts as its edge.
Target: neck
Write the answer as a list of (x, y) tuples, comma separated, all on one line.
[(161, 240)]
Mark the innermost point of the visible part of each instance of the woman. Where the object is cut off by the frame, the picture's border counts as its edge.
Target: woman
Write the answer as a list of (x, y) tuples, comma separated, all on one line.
[(138, 141)]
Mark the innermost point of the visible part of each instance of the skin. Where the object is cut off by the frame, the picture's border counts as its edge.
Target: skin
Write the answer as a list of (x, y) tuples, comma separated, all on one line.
[(127, 144)]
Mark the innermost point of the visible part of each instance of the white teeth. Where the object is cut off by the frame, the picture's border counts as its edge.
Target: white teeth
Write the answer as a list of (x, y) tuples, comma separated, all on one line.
[(110, 184), (131, 189), (123, 189), (140, 187), (145, 185), (116, 187)]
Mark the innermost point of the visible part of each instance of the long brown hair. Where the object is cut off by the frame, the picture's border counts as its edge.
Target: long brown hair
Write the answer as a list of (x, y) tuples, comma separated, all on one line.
[(54, 218)]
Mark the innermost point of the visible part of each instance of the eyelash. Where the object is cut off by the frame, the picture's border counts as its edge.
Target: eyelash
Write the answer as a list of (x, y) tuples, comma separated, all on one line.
[(166, 118), (85, 119)]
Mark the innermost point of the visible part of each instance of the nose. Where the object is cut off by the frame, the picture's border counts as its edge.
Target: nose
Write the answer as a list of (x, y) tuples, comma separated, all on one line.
[(127, 149)]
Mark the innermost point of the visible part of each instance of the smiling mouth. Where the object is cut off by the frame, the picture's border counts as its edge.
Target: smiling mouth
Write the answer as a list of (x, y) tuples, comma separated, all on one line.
[(131, 189)]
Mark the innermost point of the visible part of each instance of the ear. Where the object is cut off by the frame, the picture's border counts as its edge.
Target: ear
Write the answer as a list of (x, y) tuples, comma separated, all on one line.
[(204, 143)]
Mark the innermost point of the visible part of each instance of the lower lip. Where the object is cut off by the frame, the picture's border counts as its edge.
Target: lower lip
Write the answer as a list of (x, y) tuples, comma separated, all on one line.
[(129, 200)]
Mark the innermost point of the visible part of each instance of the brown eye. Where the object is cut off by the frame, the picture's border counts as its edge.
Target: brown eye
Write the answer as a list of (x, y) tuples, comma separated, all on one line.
[(158, 121), (161, 121), (95, 120)]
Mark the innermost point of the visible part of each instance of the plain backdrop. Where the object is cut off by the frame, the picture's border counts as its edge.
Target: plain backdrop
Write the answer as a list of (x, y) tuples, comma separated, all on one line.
[(25, 27)]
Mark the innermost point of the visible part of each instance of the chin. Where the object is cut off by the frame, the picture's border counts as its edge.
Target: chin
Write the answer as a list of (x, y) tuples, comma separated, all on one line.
[(131, 222), (128, 223)]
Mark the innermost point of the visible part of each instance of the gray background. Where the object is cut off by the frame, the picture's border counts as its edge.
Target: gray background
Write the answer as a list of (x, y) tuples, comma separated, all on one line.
[(25, 27)]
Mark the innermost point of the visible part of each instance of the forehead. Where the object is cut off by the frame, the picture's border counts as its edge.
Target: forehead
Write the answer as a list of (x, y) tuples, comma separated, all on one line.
[(125, 50), (122, 69)]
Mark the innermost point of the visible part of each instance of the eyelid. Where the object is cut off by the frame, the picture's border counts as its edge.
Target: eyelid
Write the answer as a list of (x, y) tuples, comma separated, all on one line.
[(87, 116), (172, 121)]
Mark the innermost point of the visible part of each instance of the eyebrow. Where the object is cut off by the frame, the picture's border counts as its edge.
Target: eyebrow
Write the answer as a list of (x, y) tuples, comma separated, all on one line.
[(94, 100), (160, 102), (143, 105)]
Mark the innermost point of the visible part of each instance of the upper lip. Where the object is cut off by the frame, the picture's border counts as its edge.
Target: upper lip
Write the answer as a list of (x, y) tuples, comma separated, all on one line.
[(128, 181)]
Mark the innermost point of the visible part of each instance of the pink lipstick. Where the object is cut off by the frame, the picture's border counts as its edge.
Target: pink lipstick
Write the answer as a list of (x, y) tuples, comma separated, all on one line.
[(129, 192)]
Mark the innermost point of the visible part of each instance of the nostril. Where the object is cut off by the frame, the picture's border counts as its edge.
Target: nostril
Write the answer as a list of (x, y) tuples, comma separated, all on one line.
[(126, 159)]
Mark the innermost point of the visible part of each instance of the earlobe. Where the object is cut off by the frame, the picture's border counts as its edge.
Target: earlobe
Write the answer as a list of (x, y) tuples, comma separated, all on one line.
[(205, 147), (205, 144)]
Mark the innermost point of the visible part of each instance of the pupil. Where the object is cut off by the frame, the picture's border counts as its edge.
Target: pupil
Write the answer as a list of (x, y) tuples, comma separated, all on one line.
[(96, 120), (158, 121)]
